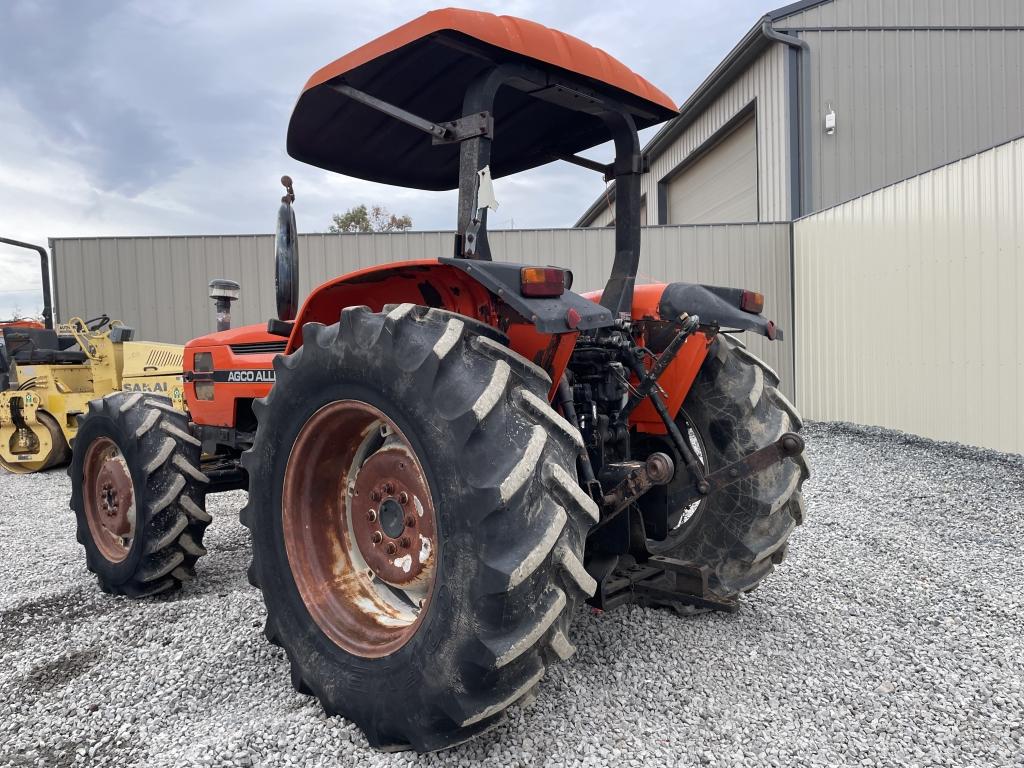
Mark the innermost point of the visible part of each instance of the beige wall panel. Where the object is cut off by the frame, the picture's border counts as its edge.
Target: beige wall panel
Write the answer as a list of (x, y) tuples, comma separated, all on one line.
[(908, 304)]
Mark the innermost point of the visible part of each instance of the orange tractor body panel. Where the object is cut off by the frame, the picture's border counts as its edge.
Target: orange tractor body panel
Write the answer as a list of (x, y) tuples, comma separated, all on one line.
[(242, 369), (429, 282), (680, 374)]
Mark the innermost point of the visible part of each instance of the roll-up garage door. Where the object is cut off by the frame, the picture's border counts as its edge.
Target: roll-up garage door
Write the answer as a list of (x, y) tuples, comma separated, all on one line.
[(720, 187)]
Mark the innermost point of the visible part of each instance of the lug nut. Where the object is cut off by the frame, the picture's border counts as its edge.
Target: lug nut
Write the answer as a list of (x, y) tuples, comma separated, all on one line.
[(374, 496), (410, 522), (405, 542), (377, 537), (391, 548), (389, 488), (371, 515), (403, 498)]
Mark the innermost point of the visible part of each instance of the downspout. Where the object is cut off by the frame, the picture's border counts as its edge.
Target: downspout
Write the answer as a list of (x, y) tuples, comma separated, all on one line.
[(45, 266), (804, 106)]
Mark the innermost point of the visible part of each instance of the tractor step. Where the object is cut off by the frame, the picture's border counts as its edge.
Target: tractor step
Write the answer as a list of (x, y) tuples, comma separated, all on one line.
[(661, 582)]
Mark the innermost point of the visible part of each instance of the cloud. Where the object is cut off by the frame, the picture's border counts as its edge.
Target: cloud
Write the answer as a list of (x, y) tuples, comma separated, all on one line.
[(169, 118)]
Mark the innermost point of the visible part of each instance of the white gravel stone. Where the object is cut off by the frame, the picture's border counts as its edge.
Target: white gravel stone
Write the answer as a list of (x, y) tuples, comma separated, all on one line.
[(892, 635)]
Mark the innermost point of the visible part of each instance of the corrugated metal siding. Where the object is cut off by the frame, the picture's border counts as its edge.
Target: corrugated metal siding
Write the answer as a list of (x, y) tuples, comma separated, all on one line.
[(754, 256), (867, 13), (158, 285), (764, 81), (908, 304), (907, 102)]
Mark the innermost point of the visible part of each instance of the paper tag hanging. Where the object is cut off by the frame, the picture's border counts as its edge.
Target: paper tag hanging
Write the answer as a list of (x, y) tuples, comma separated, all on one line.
[(485, 190)]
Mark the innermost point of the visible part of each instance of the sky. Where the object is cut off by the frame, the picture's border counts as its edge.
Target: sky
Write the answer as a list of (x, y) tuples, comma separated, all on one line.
[(163, 118)]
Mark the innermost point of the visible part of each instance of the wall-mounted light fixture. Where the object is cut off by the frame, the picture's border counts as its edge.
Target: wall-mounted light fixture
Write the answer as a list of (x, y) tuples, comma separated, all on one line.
[(830, 120)]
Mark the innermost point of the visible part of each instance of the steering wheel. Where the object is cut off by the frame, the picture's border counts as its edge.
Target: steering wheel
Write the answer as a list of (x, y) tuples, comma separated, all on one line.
[(94, 324)]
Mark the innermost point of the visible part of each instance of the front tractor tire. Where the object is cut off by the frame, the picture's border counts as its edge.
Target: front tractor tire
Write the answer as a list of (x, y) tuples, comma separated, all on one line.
[(138, 494), (417, 525)]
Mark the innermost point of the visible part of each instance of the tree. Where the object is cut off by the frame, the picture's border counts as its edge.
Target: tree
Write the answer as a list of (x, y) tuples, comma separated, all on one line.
[(376, 219)]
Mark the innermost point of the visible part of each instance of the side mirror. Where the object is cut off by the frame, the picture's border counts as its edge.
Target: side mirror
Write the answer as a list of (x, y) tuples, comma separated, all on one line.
[(286, 251)]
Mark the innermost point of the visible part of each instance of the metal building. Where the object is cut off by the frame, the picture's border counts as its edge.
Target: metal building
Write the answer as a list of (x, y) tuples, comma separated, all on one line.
[(825, 100)]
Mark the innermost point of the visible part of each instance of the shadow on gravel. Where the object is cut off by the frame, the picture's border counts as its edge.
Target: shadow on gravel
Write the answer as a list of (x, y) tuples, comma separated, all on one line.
[(70, 605), (58, 672)]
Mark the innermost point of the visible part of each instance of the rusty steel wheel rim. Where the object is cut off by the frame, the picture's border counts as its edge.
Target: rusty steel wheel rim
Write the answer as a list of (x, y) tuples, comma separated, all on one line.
[(359, 528), (109, 499)]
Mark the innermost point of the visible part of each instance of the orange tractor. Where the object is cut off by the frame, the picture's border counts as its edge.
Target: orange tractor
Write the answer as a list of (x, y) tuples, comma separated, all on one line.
[(444, 457)]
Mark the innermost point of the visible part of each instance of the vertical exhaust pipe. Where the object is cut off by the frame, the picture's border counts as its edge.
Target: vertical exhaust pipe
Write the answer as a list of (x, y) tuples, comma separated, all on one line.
[(223, 292)]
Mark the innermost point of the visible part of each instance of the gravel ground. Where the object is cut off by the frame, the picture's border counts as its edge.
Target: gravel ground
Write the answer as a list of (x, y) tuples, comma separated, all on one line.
[(892, 635)]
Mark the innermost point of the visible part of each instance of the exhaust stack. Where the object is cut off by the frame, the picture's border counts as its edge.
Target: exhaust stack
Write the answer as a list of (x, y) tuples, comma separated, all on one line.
[(223, 292)]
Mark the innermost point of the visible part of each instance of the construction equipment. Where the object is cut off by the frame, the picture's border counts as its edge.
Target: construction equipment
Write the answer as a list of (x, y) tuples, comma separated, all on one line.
[(48, 376), (444, 456)]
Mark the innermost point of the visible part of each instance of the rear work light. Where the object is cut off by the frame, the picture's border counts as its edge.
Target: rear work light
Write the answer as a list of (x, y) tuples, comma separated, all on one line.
[(752, 301), (542, 282)]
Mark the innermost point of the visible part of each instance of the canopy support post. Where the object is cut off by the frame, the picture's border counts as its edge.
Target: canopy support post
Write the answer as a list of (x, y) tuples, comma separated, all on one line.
[(628, 168)]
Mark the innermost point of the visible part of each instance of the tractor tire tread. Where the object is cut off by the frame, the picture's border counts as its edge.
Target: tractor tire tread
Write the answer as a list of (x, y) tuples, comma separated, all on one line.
[(155, 439), (742, 532), (531, 541)]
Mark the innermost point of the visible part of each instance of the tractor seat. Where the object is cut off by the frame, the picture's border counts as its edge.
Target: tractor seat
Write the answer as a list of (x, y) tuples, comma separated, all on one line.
[(38, 346)]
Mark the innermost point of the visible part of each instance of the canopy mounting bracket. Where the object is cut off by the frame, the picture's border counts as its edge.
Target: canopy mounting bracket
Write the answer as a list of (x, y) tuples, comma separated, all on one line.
[(467, 127)]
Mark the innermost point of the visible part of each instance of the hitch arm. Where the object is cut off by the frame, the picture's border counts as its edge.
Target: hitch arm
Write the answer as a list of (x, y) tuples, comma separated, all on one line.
[(680, 443), (790, 444)]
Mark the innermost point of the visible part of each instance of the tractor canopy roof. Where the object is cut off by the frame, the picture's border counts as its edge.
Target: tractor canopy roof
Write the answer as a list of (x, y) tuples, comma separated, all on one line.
[(426, 67)]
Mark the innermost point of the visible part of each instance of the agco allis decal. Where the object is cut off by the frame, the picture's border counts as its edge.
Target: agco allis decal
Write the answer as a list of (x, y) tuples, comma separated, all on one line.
[(246, 376)]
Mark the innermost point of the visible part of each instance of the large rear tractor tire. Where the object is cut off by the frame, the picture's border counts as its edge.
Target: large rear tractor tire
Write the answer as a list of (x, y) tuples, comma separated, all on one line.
[(138, 494), (417, 524), (740, 533)]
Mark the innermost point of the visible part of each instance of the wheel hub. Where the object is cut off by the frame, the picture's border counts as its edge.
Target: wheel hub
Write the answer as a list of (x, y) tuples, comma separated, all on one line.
[(391, 531), (109, 499)]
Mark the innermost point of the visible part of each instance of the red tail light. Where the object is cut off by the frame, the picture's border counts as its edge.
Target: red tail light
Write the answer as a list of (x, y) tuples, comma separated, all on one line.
[(752, 301), (542, 282)]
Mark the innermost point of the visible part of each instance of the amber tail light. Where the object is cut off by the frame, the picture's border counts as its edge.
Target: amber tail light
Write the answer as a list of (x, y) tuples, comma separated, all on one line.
[(542, 282), (752, 301)]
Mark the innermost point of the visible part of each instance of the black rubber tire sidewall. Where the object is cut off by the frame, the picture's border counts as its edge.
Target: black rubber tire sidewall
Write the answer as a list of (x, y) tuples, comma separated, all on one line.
[(100, 425)]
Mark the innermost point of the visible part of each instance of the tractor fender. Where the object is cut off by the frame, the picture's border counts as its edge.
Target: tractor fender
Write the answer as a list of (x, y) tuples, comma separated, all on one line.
[(548, 315), (473, 288), (714, 305)]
